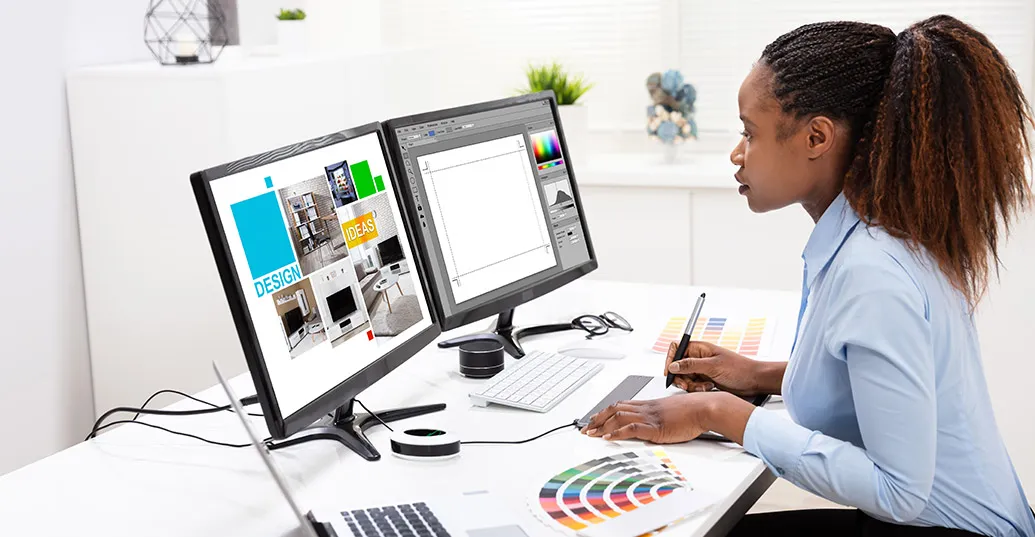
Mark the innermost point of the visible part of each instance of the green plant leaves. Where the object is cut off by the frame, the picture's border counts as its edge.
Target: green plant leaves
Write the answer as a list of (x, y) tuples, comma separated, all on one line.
[(291, 15), (567, 88)]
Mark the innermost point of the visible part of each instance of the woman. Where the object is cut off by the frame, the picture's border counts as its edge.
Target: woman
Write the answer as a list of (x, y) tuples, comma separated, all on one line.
[(909, 153)]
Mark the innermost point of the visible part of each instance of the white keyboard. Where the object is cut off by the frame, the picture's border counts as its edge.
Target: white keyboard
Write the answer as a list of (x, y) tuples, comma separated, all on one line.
[(536, 382)]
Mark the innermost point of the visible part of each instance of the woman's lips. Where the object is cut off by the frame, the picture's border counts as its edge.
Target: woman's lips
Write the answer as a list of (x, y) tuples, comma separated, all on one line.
[(743, 187)]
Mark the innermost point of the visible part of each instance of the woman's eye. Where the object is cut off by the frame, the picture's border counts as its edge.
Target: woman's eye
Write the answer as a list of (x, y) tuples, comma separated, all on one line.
[(745, 135)]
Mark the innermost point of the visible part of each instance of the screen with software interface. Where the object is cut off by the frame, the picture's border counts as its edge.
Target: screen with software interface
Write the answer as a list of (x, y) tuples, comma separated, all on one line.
[(494, 199), (320, 249)]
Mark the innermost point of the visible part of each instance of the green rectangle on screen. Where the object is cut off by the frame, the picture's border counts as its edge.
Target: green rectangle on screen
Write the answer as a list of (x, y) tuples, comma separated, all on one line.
[(363, 179), (379, 183)]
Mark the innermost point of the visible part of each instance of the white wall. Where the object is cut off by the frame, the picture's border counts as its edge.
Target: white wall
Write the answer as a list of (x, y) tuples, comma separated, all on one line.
[(45, 389)]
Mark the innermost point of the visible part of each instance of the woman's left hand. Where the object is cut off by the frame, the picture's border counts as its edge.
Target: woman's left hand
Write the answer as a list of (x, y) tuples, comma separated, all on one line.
[(674, 419)]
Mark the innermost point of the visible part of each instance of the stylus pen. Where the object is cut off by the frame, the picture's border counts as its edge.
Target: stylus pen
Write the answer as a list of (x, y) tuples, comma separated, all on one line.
[(684, 342)]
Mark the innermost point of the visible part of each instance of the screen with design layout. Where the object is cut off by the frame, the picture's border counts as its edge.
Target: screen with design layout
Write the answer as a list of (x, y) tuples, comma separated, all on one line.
[(320, 249)]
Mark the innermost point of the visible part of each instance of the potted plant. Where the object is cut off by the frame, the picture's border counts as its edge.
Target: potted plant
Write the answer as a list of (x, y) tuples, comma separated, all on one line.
[(568, 89), (291, 31)]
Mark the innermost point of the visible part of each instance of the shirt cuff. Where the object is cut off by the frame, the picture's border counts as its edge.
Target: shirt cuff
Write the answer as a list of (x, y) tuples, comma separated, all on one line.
[(778, 441)]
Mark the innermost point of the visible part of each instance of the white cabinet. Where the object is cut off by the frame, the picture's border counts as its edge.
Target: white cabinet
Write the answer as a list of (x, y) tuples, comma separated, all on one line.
[(156, 310), (639, 234), (734, 247), (685, 223)]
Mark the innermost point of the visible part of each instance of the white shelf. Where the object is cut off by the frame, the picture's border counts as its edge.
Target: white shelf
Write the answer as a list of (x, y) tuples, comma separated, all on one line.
[(649, 169)]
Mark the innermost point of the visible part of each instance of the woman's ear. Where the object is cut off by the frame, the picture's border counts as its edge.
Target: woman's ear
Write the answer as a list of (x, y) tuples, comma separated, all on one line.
[(821, 133)]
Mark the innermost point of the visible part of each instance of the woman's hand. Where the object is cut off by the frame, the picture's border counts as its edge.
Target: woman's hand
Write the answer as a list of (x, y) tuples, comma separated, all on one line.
[(706, 366), (670, 420), (674, 419)]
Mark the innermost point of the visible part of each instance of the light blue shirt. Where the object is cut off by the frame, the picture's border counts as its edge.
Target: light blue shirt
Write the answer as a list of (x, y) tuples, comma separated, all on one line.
[(886, 389)]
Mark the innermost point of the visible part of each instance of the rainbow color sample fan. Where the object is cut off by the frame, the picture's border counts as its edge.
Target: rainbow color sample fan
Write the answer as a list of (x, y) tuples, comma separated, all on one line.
[(613, 488)]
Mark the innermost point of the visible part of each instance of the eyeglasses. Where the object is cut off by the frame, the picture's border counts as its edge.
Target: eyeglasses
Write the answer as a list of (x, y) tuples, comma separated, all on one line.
[(598, 325)]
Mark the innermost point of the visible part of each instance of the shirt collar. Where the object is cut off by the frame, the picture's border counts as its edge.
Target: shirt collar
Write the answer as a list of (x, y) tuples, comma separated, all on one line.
[(827, 237)]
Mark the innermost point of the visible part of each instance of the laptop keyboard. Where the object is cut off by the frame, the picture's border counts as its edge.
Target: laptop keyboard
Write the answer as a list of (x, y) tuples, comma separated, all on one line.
[(407, 520)]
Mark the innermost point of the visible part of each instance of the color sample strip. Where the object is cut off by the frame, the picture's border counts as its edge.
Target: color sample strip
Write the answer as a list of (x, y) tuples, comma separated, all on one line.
[(546, 146), (363, 179), (379, 183), (742, 336), (672, 331), (753, 337), (551, 164), (605, 488)]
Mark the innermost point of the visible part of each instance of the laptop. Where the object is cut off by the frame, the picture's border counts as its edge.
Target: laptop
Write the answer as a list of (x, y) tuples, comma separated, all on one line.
[(471, 514)]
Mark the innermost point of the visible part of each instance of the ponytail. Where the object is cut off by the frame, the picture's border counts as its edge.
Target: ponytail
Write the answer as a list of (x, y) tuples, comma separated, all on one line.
[(941, 125)]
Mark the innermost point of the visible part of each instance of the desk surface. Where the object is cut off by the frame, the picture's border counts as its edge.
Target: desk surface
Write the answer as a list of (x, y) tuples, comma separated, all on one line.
[(138, 481)]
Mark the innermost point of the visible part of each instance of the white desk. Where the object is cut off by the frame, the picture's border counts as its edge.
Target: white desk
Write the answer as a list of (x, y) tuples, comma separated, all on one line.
[(138, 481)]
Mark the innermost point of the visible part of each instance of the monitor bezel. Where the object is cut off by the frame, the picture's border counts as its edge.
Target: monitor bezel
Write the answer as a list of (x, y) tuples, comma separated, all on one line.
[(535, 290), (281, 426)]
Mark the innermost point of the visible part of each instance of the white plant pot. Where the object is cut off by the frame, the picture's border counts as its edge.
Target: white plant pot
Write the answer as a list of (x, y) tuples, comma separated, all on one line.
[(671, 153), (292, 37), (257, 26), (575, 122)]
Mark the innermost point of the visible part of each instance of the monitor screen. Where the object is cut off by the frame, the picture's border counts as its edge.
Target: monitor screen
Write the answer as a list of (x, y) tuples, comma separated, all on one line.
[(300, 232), (293, 320), (494, 197), (390, 251), (341, 304)]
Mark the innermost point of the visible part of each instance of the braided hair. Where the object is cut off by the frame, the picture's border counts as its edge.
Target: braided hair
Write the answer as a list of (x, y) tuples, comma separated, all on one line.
[(940, 126)]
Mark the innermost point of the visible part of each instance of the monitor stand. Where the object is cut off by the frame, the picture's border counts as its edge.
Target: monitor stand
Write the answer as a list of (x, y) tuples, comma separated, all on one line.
[(504, 332), (350, 428)]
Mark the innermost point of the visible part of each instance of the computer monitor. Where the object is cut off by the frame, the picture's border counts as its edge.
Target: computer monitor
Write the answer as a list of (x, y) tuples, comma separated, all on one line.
[(254, 211), (494, 207)]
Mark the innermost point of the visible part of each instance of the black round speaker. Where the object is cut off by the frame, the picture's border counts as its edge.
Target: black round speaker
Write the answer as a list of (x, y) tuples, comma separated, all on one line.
[(481, 359)]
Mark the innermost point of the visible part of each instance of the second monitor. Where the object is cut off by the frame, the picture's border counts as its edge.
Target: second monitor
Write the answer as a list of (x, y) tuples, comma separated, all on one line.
[(496, 208)]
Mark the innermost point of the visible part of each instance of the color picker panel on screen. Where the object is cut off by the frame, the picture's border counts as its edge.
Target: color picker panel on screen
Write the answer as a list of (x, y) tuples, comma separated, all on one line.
[(748, 336), (546, 146)]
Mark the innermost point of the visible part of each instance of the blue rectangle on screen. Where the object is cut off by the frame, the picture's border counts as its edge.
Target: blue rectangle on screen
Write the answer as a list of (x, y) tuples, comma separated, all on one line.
[(260, 225)]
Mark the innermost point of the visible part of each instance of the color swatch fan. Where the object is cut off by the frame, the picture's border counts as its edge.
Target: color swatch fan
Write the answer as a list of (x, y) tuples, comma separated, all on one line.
[(749, 336), (630, 494)]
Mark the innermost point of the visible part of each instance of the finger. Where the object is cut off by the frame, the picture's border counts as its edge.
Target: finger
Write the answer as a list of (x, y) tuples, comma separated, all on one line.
[(618, 419), (637, 430), (601, 417), (693, 366), (691, 384), (671, 355), (598, 419), (700, 349), (701, 387)]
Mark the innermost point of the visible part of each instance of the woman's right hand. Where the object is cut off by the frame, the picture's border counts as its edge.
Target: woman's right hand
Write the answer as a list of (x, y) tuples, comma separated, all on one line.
[(706, 366)]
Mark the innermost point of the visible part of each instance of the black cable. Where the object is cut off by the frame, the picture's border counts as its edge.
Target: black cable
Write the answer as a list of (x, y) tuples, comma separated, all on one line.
[(170, 431), (159, 392), (138, 411), (251, 400), (376, 417), (574, 423)]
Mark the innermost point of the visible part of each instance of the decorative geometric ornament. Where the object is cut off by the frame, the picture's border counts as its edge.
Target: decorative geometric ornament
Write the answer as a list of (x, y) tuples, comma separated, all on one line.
[(183, 32)]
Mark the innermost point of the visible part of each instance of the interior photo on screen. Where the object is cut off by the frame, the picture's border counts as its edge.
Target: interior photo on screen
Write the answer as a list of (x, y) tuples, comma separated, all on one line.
[(381, 267), (343, 190), (338, 295), (303, 324), (313, 224)]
